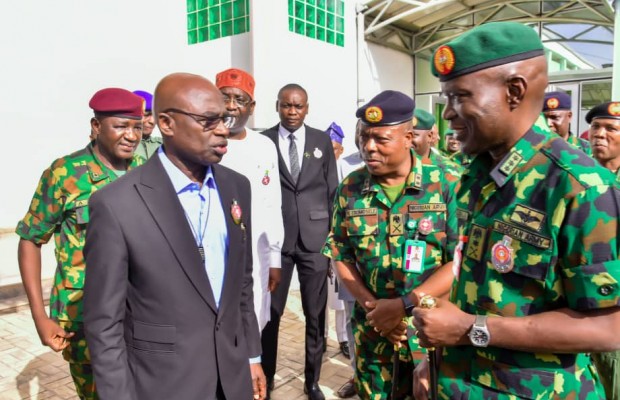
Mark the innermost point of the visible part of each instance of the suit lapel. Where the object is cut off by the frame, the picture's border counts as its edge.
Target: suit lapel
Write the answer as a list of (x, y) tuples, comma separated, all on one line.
[(284, 172), (308, 149), (161, 200), (234, 262)]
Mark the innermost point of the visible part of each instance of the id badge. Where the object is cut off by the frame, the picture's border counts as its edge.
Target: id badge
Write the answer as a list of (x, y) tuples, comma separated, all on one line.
[(413, 259)]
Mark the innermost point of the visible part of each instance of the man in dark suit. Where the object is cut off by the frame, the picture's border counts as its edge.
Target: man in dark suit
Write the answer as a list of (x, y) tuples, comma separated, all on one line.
[(308, 177), (168, 297)]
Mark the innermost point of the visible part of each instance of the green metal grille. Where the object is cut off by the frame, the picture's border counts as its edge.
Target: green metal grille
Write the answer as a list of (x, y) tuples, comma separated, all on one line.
[(213, 19), (318, 19)]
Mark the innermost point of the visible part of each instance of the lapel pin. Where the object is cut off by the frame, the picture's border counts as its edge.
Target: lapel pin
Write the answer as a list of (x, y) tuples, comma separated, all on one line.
[(317, 153), (235, 212)]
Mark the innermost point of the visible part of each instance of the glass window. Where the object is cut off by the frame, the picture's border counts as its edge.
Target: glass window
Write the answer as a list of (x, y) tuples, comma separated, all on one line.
[(318, 19), (213, 19)]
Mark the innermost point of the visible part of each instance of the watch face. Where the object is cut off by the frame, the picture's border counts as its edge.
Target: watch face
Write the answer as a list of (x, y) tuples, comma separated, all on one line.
[(479, 337)]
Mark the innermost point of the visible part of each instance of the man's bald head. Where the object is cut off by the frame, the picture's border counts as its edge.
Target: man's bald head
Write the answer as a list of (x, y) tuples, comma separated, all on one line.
[(180, 90)]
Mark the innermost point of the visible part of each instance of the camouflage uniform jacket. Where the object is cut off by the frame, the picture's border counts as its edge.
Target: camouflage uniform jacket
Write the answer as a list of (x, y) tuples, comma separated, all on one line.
[(460, 158), (148, 146), (370, 231), (581, 144), (554, 207), (59, 207), (449, 167)]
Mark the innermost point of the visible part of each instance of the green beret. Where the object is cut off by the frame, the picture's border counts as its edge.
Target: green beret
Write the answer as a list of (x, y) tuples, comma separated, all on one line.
[(423, 120), (486, 46), (449, 132)]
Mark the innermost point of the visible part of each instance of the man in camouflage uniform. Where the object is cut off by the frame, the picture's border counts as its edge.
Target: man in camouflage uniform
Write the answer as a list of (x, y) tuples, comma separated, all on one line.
[(453, 147), (537, 251), (59, 207), (557, 110), (398, 206), (423, 124), (604, 135), (149, 143)]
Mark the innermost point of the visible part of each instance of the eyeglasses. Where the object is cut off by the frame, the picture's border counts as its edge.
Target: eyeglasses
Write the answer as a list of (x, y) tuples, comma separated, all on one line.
[(238, 101), (208, 123)]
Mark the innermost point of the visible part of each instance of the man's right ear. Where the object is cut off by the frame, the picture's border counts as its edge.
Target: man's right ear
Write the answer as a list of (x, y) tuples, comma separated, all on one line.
[(277, 105), (165, 123)]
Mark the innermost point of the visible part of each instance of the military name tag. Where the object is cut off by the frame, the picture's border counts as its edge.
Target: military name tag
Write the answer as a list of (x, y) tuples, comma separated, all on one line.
[(413, 259), (359, 212), (438, 207), (396, 224), (522, 235)]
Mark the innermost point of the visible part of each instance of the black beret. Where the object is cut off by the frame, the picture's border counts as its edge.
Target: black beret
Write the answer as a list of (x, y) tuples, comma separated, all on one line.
[(557, 101), (389, 107), (605, 110)]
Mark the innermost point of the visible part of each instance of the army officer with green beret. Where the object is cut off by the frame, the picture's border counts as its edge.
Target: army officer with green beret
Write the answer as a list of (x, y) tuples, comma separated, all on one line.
[(536, 265)]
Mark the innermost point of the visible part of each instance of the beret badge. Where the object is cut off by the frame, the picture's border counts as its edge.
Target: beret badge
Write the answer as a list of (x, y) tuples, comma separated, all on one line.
[(414, 121), (444, 60), (374, 114), (553, 103), (614, 109)]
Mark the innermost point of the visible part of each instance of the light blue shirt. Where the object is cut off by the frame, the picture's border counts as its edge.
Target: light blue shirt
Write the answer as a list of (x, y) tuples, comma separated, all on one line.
[(205, 216)]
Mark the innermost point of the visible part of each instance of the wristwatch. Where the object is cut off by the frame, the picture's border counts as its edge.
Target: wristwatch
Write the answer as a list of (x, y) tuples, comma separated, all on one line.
[(479, 334), (408, 305)]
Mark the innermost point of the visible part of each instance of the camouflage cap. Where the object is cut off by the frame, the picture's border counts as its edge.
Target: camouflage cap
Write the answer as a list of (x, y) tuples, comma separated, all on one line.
[(606, 110), (389, 107), (557, 101), (423, 120), (485, 46)]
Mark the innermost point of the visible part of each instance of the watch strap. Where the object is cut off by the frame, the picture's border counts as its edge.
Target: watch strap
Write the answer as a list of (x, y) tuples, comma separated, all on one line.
[(408, 305)]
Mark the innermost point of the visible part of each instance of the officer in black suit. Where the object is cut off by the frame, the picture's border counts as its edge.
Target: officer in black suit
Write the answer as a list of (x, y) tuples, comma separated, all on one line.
[(308, 177)]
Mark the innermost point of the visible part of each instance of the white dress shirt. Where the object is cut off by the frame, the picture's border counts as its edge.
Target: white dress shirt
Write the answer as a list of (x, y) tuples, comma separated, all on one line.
[(284, 143), (256, 157)]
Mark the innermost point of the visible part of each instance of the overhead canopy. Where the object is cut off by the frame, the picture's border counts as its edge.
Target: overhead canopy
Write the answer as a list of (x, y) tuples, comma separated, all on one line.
[(582, 28)]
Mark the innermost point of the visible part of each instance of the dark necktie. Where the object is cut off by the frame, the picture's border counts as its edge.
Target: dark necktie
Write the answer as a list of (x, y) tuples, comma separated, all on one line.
[(294, 157)]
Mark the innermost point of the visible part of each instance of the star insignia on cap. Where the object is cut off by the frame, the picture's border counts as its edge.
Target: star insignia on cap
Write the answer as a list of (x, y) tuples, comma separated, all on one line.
[(614, 109), (373, 114), (444, 60), (553, 103)]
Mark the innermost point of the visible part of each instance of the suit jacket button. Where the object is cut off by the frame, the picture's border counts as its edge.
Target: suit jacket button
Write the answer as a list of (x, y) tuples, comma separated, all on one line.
[(297, 193)]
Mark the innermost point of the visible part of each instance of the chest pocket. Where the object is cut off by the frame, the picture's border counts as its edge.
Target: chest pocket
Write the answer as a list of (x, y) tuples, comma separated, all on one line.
[(363, 231), (76, 218), (531, 256)]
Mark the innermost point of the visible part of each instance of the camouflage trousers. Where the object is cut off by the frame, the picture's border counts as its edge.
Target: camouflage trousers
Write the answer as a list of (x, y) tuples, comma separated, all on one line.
[(83, 380), (375, 366), (78, 356), (608, 368)]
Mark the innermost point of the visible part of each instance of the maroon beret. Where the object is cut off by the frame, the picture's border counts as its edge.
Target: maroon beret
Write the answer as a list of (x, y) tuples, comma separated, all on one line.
[(117, 102)]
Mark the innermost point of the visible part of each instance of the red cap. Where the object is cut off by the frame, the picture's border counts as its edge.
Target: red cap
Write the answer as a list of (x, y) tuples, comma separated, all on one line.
[(117, 102), (237, 78)]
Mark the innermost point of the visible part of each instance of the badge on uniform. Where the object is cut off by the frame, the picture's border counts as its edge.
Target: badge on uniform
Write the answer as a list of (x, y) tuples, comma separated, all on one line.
[(413, 259), (458, 257), (317, 153), (265, 180), (425, 226), (502, 255), (396, 224)]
